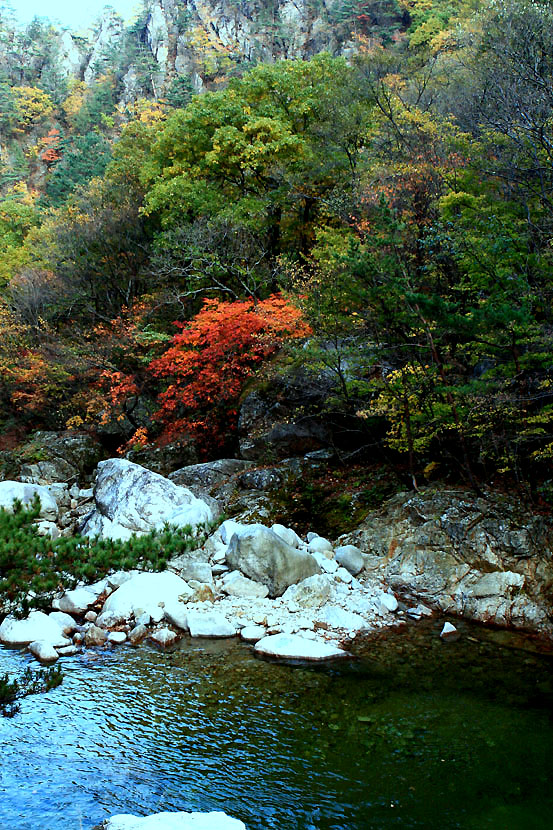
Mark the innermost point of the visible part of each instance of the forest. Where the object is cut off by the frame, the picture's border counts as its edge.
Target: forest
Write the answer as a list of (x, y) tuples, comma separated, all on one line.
[(382, 218)]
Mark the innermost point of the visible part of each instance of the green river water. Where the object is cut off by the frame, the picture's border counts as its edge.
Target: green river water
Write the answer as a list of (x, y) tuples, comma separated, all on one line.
[(414, 733)]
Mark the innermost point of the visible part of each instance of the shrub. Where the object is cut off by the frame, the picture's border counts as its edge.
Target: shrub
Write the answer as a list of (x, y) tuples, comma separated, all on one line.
[(33, 567)]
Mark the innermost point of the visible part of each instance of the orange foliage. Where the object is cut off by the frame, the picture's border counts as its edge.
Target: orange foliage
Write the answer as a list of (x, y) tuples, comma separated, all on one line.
[(50, 144), (213, 356)]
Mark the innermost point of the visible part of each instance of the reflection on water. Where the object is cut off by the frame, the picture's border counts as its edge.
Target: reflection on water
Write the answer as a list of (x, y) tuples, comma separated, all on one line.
[(415, 734)]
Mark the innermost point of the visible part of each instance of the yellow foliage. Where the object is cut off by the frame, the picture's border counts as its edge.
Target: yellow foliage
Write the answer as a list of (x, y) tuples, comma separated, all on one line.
[(32, 105)]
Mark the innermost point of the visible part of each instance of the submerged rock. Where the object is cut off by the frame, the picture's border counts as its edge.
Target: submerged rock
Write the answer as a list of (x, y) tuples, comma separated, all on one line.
[(295, 647), (449, 633), (164, 637)]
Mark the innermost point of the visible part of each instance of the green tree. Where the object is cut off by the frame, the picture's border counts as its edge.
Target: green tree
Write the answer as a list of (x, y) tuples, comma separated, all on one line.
[(83, 158)]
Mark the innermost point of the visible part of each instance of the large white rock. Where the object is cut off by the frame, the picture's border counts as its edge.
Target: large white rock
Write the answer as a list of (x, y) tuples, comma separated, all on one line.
[(176, 613), (43, 651), (143, 593), (209, 624), (135, 500), (37, 626), (262, 555), (295, 647), (25, 493), (176, 821), (235, 584), (320, 545), (77, 601), (65, 621)]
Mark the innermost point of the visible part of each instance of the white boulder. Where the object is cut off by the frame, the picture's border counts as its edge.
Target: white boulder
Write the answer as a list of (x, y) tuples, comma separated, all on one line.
[(37, 626), (210, 624), (43, 651), (25, 493), (137, 500), (296, 647), (263, 556), (65, 621), (176, 613), (143, 593), (350, 557), (176, 821), (77, 601)]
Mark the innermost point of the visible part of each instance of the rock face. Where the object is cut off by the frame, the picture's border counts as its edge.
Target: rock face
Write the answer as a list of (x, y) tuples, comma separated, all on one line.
[(482, 558), (263, 556), (64, 456), (131, 499), (175, 821)]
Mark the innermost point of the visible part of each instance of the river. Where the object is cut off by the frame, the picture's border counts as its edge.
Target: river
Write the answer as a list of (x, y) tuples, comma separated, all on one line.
[(414, 734)]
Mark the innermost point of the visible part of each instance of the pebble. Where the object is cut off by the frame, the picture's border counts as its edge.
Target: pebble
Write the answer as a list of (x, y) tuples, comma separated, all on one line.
[(449, 633)]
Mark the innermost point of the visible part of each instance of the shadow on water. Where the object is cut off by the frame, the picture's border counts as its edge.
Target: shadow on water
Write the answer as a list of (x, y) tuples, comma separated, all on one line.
[(414, 733)]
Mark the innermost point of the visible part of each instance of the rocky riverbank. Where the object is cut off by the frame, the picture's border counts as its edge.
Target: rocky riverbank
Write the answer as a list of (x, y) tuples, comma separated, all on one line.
[(306, 597)]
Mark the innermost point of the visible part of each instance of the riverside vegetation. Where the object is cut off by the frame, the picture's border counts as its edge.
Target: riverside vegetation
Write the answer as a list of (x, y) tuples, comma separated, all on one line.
[(390, 213), (33, 567)]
